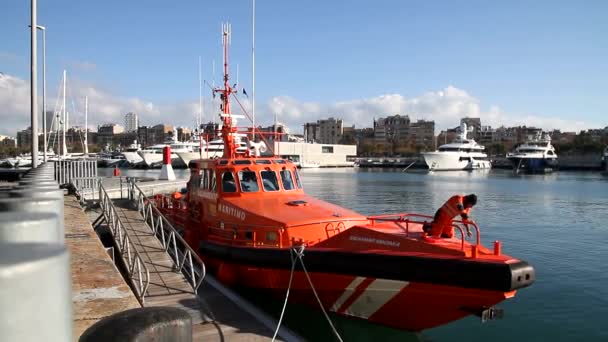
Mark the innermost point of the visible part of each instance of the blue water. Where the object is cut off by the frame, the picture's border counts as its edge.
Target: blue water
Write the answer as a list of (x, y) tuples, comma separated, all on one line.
[(556, 222)]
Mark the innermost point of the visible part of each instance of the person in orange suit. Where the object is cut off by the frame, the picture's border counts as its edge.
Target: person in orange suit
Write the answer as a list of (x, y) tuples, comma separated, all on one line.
[(456, 205)]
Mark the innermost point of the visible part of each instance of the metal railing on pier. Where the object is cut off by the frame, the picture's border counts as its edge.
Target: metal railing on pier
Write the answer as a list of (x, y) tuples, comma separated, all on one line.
[(184, 257), (137, 271), (67, 170)]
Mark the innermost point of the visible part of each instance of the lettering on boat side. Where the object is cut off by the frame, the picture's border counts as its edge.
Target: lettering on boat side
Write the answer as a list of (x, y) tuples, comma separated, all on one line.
[(232, 211), (374, 240)]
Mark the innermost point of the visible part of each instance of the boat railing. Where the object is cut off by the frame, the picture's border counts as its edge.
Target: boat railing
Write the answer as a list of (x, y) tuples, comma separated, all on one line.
[(184, 257), (136, 268), (409, 218)]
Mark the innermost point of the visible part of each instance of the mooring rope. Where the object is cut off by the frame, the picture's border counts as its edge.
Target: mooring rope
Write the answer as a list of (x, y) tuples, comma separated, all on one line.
[(296, 253)]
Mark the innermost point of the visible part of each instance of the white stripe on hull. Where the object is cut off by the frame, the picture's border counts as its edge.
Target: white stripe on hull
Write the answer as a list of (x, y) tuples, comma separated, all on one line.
[(347, 293), (378, 293)]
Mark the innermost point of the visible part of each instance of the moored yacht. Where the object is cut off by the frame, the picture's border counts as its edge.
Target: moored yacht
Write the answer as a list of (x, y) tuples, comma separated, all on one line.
[(460, 154), (536, 155), (130, 153), (207, 150), (153, 155)]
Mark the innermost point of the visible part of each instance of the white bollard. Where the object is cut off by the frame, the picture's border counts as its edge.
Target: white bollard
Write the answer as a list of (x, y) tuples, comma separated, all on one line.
[(35, 293)]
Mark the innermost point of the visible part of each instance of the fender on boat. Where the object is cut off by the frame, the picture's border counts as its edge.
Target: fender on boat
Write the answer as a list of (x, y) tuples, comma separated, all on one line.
[(477, 274)]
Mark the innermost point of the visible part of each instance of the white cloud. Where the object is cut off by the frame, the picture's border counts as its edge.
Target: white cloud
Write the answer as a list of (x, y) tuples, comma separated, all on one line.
[(85, 66), (445, 106)]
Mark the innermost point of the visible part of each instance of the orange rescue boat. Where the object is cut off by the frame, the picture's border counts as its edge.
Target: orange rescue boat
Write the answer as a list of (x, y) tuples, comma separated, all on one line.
[(251, 220)]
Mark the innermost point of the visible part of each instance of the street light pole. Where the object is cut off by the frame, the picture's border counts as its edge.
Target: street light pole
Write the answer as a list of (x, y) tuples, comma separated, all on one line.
[(43, 29), (33, 87)]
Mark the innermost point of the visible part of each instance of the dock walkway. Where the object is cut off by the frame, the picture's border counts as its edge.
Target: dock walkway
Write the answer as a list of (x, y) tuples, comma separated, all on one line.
[(98, 288), (227, 322)]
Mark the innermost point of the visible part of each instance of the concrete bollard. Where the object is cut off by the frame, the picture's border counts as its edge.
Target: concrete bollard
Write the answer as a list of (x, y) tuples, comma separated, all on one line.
[(36, 192), (36, 205), (158, 324), (29, 227), (35, 182), (35, 293)]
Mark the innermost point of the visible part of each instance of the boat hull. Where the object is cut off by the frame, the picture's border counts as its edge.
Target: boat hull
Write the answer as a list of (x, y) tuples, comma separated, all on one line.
[(410, 293), (447, 161), (534, 165), (133, 158)]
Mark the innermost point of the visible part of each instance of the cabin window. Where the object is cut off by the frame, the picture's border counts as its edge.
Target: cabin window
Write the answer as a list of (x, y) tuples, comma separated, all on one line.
[(269, 180), (279, 161), (287, 180), (262, 161), (327, 149), (213, 182), (228, 184), (249, 181), (241, 162), (550, 153), (295, 172)]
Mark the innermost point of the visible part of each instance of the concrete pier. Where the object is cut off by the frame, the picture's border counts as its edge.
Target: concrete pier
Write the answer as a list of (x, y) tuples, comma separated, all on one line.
[(98, 288)]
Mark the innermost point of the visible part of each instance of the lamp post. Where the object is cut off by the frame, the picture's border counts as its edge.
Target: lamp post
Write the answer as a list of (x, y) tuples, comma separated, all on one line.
[(43, 29), (33, 85)]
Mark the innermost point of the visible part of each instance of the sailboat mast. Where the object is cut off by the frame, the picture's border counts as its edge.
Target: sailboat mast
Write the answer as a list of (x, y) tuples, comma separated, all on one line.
[(86, 125), (64, 146), (200, 93), (253, 70)]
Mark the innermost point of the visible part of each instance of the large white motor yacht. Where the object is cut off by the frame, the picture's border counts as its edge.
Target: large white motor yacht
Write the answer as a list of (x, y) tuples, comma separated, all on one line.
[(460, 154), (535, 155)]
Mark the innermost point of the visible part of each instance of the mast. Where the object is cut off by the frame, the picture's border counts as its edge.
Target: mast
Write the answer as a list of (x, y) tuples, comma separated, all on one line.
[(86, 125), (64, 146), (253, 71), (213, 86), (227, 129), (200, 94)]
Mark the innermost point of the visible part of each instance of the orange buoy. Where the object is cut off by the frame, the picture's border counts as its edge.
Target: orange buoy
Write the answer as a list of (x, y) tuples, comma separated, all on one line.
[(116, 171)]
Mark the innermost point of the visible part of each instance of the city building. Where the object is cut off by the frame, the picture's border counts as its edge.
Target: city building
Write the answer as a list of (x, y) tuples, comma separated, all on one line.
[(105, 134), (154, 135), (326, 131), (400, 131), (131, 122), (24, 137), (8, 141)]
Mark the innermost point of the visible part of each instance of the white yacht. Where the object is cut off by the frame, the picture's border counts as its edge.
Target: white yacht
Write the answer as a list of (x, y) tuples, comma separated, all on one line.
[(130, 153), (153, 155), (211, 149), (460, 154), (535, 155)]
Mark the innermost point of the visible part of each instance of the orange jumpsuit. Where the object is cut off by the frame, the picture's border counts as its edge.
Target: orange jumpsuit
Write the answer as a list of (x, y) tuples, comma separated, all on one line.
[(442, 222)]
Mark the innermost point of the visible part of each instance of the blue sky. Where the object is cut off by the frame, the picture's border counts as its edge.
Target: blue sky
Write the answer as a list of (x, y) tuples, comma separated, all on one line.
[(535, 59)]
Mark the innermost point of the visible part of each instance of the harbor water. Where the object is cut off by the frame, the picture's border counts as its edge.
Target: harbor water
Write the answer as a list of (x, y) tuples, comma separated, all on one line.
[(556, 222)]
